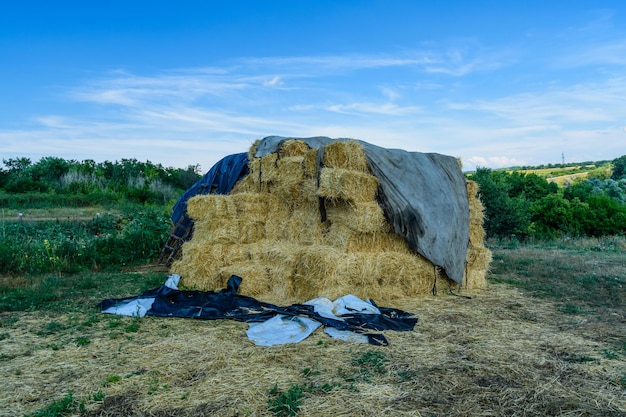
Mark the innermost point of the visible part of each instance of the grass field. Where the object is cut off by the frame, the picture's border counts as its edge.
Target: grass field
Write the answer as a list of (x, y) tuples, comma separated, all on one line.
[(546, 338), (54, 213)]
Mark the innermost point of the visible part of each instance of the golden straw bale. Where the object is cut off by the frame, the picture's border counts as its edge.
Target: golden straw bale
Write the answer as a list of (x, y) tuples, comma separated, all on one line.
[(255, 277), (346, 239), (355, 275), (298, 226), (280, 257), (305, 227), (359, 216), (342, 184), (263, 169), (292, 147), (325, 272), (472, 188), (347, 155), (217, 230), (476, 235), (208, 266), (403, 274), (308, 192), (478, 260), (253, 206), (477, 214), (291, 195), (310, 163), (289, 179), (211, 206), (247, 184), (291, 168), (276, 221), (193, 278), (251, 231), (197, 267), (315, 265), (252, 150), (237, 230), (274, 252), (476, 206), (268, 168)]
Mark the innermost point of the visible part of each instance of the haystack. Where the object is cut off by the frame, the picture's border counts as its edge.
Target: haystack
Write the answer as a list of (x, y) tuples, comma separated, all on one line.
[(305, 223)]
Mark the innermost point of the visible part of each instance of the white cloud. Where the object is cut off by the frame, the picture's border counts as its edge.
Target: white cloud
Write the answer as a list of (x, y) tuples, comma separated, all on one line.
[(273, 82), (388, 109)]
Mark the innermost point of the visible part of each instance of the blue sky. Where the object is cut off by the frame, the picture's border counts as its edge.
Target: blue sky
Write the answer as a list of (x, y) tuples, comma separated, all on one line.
[(187, 82)]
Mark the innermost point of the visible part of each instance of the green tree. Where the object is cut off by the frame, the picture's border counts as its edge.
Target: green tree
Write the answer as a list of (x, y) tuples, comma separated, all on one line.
[(551, 216), (619, 168), (607, 216), (504, 215), (531, 186)]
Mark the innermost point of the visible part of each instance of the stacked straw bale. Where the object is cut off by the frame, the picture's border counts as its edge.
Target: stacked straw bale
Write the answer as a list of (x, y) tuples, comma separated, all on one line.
[(269, 230)]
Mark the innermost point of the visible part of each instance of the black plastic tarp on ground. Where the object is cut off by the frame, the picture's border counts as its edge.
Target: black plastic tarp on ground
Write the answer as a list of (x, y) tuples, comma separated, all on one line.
[(229, 304)]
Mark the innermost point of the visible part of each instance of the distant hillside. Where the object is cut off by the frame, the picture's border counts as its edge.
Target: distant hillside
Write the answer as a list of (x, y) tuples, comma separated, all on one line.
[(566, 174)]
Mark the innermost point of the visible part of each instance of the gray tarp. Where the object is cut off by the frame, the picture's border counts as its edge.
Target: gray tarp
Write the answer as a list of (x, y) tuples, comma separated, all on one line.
[(424, 196)]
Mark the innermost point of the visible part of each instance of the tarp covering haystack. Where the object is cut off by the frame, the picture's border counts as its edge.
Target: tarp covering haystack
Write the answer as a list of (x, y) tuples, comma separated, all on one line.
[(321, 217)]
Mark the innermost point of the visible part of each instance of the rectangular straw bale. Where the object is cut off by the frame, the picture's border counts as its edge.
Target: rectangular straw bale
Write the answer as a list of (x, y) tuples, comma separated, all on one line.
[(342, 184), (315, 267), (300, 195), (381, 276), (197, 279), (253, 206), (273, 252), (211, 206), (476, 214), (290, 176), (477, 235), (293, 147), (202, 264), (359, 216), (217, 230), (310, 163), (253, 149), (478, 260), (279, 260), (249, 184), (291, 168), (300, 226), (204, 251), (405, 274), (237, 230), (263, 169), (476, 207), (308, 193), (255, 278), (354, 275), (347, 155), (346, 239), (305, 227), (198, 268)]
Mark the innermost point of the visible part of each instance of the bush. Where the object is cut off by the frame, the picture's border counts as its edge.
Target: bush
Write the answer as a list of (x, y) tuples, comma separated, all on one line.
[(103, 243)]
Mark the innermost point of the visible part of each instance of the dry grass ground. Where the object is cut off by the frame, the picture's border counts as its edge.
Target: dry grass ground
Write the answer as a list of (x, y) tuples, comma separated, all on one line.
[(547, 337)]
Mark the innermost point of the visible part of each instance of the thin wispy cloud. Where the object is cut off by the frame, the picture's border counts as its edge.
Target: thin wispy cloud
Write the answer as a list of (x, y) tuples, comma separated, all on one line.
[(493, 102), (387, 109)]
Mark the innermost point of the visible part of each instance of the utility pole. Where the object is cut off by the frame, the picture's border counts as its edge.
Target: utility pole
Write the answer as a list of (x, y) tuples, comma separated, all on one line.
[(562, 158)]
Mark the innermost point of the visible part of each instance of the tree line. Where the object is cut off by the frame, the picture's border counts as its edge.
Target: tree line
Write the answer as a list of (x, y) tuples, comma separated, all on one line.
[(86, 182), (527, 205), (516, 203)]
